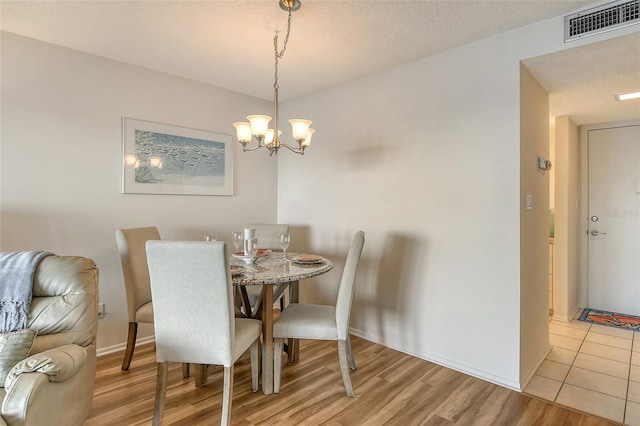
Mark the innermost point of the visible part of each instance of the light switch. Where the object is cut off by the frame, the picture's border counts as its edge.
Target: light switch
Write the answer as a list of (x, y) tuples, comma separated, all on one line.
[(528, 201)]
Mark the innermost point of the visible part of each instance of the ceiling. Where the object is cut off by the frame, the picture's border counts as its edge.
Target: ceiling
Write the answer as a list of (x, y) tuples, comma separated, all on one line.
[(230, 43)]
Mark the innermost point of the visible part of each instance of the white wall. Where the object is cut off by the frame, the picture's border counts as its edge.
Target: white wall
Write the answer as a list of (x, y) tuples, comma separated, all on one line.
[(567, 230), (61, 161), (425, 158), (534, 225)]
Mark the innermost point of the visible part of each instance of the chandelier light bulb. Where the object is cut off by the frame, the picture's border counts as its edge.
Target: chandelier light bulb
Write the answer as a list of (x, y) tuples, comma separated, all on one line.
[(259, 124), (300, 128), (307, 141), (268, 139), (243, 131)]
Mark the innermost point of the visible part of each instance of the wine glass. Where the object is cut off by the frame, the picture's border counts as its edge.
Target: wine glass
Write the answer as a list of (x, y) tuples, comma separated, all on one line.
[(285, 239), (237, 240), (251, 248), (210, 238)]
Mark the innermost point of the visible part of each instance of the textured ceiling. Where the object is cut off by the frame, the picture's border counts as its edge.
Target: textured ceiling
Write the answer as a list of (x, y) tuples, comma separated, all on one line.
[(229, 43)]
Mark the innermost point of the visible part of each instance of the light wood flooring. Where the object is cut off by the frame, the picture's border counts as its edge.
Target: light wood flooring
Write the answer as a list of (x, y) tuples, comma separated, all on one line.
[(391, 388)]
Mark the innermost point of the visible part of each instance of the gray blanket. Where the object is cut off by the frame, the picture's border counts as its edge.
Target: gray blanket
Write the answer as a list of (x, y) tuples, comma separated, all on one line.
[(17, 270)]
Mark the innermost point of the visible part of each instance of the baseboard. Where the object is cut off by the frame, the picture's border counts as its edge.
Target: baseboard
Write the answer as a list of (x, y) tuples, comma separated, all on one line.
[(537, 365), (489, 377), (573, 315), (121, 346)]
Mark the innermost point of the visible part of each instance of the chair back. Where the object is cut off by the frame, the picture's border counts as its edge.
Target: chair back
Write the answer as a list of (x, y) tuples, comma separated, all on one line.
[(345, 292), (134, 265), (268, 234), (192, 301)]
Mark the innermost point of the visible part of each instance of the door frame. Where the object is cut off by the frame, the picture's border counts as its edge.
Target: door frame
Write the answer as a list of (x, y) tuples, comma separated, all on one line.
[(584, 201)]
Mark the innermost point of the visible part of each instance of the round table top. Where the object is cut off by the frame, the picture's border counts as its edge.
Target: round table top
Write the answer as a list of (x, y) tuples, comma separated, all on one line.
[(272, 269)]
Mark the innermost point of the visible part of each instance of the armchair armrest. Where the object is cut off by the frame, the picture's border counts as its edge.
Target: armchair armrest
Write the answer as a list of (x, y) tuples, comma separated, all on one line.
[(59, 364), (39, 389)]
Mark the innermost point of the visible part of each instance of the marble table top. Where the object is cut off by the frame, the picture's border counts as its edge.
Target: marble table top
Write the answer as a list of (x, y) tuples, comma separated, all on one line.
[(272, 269)]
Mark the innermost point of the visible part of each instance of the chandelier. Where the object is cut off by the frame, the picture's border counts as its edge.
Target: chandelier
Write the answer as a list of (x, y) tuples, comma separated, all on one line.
[(258, 125)]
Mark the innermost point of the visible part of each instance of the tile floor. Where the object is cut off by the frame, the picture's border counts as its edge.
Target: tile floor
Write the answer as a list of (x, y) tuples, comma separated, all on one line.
[(592, 368)]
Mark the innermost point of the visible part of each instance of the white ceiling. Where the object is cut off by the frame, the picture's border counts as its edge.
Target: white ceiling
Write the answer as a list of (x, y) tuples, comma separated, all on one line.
[(229, 43)]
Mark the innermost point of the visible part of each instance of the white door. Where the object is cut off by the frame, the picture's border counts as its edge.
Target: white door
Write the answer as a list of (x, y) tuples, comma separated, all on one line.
[(614, 219)]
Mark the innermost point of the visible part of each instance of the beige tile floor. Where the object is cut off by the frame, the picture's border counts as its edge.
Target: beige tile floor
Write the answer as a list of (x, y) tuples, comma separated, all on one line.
[(592, 368)]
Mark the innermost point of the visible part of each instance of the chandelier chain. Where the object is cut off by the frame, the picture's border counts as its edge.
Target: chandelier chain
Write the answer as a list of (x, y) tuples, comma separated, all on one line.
[(280, 54)]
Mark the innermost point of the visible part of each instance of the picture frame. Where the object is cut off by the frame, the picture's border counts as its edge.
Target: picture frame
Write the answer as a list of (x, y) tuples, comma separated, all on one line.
[(167, 159)]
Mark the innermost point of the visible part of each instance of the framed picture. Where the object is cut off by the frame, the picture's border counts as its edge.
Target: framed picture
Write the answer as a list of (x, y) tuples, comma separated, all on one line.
[(164, 159)]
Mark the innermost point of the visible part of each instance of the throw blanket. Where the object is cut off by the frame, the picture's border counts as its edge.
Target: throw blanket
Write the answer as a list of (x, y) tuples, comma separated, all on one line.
[(17, 270)]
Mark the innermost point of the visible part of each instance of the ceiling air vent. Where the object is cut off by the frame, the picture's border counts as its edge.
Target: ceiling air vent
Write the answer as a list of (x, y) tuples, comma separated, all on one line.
[(603, 18)]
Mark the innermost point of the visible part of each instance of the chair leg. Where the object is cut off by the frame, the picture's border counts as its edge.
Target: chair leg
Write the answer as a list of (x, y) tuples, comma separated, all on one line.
[(227, 395), (344, 366), (255, 364), (185, 370), (352, 361), (277, 363), (200, 373), (161, 393), (131, 345)]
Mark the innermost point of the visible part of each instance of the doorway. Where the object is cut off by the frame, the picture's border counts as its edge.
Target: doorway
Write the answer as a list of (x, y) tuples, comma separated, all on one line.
[(611, 228)]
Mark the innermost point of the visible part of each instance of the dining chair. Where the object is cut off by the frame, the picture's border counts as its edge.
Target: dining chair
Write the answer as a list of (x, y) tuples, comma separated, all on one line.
[(131, 245), (268, 235), (194, 315), (322, 322)]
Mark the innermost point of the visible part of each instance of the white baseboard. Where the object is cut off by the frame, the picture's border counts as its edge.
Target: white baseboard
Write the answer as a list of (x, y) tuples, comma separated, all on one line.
[(489, 377), (121, 346), (537, 365), (572, 315)]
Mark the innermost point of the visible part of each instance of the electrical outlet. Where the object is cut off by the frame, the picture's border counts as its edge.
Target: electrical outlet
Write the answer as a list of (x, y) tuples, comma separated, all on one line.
[(101, 311)]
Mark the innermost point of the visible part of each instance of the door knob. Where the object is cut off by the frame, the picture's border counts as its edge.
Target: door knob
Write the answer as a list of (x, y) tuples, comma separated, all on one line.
[(596, 233)]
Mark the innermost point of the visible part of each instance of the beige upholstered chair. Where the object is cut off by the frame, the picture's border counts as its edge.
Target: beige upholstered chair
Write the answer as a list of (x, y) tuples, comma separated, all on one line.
[(321, 322), (54, 386), (194, 315), (136, 281)]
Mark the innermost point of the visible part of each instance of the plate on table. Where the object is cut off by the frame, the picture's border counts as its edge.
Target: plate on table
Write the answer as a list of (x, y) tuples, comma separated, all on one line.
[(247, 258), (236, 270), (308, 259)]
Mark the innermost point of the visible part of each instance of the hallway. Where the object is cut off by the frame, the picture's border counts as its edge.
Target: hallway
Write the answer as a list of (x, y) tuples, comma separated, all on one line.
[(592, 368)]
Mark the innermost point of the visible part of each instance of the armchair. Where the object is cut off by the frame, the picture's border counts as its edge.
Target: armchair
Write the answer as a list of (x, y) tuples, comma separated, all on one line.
[(54, 386)]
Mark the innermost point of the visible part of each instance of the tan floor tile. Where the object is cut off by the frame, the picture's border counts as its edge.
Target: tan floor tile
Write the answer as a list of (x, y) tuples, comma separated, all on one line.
[(636, 341), (565, 342), (577, 324), (602, 365), (604, 351), (553, 370), (564, 356), (634, 373), (605, 339), (564, 330), (635, 358), (632, 415), (598, 382), (589, 401), (612, 331), (634, 392), (543, 387)]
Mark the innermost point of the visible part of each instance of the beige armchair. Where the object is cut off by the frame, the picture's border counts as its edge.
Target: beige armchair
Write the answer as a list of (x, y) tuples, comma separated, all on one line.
[(54, 386)]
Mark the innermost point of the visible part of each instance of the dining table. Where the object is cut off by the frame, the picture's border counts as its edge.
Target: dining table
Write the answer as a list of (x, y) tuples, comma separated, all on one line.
[(274, 274)]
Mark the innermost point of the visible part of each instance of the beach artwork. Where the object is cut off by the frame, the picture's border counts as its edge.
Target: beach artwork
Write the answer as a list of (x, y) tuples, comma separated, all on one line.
[(166, 159)]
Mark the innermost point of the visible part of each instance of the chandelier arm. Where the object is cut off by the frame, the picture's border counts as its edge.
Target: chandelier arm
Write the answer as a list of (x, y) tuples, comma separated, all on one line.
[(292, 149)]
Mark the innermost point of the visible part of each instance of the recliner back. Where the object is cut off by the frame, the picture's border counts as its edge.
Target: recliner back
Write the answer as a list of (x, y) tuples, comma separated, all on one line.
[(64, 307)]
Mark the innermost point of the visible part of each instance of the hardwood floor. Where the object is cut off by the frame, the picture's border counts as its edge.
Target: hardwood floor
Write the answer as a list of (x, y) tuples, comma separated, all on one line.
[(391, 388)]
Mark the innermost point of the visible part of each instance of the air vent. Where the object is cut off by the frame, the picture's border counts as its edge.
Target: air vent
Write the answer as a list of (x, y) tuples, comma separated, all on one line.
[(607, 17)]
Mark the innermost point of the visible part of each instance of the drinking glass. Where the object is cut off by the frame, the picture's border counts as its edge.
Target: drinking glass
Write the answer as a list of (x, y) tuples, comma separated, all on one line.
[(210, 238), (285, 239), (252, 247), (237, 240)]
